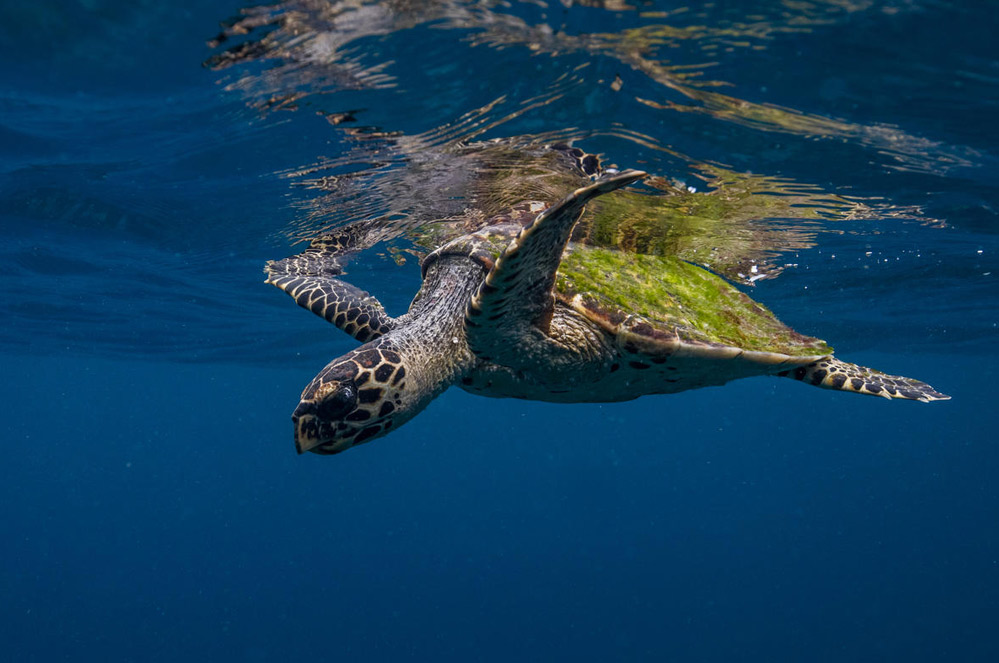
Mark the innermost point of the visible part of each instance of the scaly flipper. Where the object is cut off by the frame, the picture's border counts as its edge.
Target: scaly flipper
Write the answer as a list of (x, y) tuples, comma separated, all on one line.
[(517, 294), (831, 373), (309, 278)]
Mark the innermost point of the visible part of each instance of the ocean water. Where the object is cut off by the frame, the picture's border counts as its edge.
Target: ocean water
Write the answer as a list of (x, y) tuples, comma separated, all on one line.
[(153, 155)]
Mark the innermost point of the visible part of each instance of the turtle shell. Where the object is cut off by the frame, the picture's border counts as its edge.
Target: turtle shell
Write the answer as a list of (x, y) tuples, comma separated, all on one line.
[(665, 305), (653, 304)]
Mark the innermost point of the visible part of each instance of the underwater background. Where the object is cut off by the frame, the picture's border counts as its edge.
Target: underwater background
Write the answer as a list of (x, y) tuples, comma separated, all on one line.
[(153, 155)]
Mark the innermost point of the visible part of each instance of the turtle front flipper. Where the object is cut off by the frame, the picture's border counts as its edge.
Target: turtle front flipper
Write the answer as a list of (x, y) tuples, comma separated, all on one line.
[(516, 300), (309, 277), (831, 373)]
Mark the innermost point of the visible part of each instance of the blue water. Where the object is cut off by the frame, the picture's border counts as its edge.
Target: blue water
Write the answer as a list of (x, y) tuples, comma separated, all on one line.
[(153, 507)]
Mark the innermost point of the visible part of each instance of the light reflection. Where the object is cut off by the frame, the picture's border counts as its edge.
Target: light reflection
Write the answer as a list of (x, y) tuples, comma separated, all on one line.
[(448, 179), (315, 46)]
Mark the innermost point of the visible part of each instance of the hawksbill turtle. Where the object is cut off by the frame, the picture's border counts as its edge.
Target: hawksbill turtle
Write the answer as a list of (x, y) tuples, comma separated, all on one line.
[(514, 308)]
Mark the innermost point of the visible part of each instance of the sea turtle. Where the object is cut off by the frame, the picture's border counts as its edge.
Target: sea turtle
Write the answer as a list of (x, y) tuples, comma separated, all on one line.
[(515, 308)]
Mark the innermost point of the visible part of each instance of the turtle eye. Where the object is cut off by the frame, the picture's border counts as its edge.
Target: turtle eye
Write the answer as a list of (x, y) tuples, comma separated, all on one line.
[(338, 403)]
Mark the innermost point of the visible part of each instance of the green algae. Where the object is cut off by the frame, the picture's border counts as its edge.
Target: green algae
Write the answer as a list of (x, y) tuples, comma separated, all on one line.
[(739, 228), (678, 296)]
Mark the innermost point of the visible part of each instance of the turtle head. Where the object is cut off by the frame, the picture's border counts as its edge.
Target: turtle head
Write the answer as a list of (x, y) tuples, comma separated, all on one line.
[(356, 398)]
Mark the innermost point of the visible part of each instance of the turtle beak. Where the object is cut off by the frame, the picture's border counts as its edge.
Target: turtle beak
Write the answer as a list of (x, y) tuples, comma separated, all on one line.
[(306, 427), (305, 434)]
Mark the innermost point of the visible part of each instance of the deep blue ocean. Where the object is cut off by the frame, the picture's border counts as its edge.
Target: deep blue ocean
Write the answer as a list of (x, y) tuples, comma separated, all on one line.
[(153, 156)]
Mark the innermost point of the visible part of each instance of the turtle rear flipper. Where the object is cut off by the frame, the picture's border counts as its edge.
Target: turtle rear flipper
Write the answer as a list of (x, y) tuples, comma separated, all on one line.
[(516, 300), (309, 277), (831, 373)]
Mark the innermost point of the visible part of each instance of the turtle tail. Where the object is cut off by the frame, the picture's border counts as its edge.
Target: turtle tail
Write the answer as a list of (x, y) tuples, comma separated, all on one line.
[(831, 373)]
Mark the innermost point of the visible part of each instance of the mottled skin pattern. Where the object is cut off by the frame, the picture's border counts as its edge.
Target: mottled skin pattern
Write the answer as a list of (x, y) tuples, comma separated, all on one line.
[(385, 382), (831, 373), (309, 278), (352, 398), (489, 319)]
